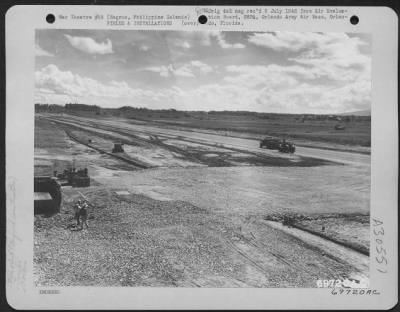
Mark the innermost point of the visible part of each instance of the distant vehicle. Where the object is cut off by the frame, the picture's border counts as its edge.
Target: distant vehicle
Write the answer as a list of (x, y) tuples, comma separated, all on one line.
[(287, 147), (270, 143), (276, 144), (118, 148), (73, 177), (339, 127)]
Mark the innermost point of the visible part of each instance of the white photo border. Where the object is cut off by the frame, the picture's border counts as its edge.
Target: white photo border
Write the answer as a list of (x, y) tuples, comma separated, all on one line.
[(21, 23)]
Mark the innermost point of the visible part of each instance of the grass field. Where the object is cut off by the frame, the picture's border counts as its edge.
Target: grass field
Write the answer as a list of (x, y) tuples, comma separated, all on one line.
[(318, 128), (356, 133)]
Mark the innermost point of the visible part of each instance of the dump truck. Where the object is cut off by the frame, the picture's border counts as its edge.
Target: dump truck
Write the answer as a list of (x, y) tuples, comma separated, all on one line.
[(47, 195), (277, 144), (270, 143)]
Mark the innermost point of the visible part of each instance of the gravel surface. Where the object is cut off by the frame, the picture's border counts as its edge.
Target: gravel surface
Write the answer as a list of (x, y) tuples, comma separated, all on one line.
[(197, 227)]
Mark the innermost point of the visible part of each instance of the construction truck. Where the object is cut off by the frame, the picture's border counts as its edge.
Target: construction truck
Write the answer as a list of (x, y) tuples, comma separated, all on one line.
[(278, 144), (287, 147), (75, 178), (270, 143)]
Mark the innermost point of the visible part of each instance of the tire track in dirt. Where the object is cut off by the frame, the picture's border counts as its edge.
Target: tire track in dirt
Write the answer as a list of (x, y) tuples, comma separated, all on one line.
[(258, 243), (265, 155), (227, 243), (271, 250), (344, 256), (330, 155), (153, 141)]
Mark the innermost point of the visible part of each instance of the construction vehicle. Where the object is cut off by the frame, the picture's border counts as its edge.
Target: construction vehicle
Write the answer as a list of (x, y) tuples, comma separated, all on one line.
[(276, 144), (339, 127), (287, 147), (118, 148), (47, 195), (270, 143), (47, 189), (73, 177)]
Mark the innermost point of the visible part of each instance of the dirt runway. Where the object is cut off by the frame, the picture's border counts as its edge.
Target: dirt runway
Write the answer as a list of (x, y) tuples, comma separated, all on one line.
[(200, 214)]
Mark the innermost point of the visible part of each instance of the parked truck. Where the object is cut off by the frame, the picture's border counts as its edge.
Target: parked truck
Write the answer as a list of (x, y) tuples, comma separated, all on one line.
[(278, 144)]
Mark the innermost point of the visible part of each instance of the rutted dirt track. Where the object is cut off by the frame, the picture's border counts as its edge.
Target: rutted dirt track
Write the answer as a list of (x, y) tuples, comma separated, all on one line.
[(239, 143), (200, 214)]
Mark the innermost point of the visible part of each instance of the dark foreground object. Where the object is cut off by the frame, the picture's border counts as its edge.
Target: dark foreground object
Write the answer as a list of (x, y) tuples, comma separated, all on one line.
[(47, 197)]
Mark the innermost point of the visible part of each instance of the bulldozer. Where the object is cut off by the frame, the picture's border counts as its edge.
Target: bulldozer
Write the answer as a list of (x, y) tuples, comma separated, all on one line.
[(75, 178), (118, 148)]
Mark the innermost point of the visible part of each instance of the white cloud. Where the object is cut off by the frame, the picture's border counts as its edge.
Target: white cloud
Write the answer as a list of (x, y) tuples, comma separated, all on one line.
[(306, 98), (336, 56), (184, 71), (275, 88), (188, 70), (89, 45), (182, 44), (313, 73), (164, 71), (257, 76), (206, 38), (280, 41), (272, 88), (296, 41), (332, 74), (144, 47), (56, 86), (224, 44), (53, 80), (203, 67), (186, 45), (299, 98), (41, 52)]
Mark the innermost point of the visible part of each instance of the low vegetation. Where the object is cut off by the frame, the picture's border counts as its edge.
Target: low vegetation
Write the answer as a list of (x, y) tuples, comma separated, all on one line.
[(321, 128)]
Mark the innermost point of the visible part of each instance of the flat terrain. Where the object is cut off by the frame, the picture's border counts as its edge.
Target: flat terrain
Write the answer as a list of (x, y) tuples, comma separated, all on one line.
[(199, 209), (309, 130)]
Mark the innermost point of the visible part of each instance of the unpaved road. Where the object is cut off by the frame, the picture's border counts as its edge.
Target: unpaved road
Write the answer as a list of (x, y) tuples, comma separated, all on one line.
[(243, 144), (198, 226), (247, 191)]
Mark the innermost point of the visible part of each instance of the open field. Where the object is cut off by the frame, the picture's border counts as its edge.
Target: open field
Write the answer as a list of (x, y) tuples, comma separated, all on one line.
[(315, 130), (193, 209)]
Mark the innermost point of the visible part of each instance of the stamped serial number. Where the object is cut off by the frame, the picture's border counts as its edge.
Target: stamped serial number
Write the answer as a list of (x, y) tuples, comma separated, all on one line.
[(379, 235), (338, 283), (329, 283), (49, 291)]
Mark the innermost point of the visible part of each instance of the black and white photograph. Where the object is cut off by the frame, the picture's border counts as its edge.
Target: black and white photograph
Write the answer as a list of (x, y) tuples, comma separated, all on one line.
[(201, 157), (212, 159)]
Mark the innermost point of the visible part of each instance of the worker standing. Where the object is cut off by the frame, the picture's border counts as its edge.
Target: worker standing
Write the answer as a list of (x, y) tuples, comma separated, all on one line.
[(77, 210)]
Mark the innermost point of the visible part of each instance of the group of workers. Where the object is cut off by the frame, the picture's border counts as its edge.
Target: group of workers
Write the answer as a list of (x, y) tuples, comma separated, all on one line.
[(81, 213)]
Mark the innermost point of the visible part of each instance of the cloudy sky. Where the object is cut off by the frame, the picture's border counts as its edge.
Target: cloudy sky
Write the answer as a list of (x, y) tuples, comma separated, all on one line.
[(288, 72)]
